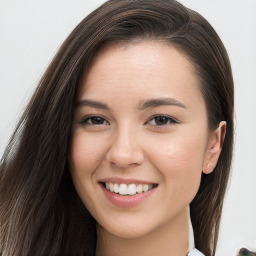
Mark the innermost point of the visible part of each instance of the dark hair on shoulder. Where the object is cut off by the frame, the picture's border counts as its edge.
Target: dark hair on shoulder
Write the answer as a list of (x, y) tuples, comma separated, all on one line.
[(40, 211)]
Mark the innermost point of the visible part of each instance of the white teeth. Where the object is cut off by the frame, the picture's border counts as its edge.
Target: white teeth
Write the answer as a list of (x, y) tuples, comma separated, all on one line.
[(116, 188), (145, 187), (131, 189), (123, 189), (139, 189)]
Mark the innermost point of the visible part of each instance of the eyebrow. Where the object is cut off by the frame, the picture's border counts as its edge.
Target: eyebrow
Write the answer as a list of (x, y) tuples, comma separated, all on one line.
[(92, 103), (152, 103)]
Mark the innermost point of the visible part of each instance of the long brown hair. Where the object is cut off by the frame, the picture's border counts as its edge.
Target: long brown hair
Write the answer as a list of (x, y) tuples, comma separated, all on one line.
[(40, 211)]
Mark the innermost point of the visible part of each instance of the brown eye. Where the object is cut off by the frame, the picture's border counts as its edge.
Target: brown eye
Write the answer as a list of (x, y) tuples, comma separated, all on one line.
[(97, 120), (162, 120), (94, 120)]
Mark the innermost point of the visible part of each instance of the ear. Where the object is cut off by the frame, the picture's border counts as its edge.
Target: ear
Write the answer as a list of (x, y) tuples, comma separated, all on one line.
[(215, 143)]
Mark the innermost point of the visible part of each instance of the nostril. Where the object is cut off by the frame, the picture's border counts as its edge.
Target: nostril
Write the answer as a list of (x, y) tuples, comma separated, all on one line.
[(122, 158)]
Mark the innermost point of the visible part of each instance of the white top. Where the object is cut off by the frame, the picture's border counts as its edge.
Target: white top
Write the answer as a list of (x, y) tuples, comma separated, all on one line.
[(195, 252), (192, 250)]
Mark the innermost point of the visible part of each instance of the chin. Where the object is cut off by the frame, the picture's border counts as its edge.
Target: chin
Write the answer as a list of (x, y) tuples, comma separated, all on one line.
[(131, 233), (128, 230)]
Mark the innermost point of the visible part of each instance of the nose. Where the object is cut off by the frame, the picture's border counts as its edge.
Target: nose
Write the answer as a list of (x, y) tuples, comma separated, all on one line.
[(125, 149)]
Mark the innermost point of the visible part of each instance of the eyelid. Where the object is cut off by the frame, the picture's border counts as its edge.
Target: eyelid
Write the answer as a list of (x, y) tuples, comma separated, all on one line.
[(172, 120), (84, 120)]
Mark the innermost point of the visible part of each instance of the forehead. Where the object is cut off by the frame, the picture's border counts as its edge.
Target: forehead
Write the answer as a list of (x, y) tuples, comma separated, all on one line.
[(136, 69), (147, 53)]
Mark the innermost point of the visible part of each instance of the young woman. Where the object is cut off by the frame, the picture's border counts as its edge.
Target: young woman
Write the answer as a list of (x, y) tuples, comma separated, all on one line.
[(125, 147)]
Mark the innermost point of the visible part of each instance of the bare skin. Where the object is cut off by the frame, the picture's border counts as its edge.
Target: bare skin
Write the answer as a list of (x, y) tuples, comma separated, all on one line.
[(141, 116), (170, 239)]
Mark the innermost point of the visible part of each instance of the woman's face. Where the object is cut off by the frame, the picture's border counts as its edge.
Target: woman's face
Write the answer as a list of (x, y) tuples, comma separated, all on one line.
[(140, 129)]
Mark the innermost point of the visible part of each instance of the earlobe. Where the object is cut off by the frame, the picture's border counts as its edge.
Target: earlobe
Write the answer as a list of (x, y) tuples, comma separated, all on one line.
[(214, 148)]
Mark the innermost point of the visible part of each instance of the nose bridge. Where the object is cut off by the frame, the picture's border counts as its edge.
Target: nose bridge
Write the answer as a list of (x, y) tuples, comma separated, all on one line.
[(125, 147)]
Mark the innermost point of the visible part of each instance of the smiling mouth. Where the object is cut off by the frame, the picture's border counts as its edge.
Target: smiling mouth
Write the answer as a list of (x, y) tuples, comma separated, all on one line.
[(128, 190)]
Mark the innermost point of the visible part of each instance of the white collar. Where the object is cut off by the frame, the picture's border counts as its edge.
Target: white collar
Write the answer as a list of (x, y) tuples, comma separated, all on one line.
[(191, 236), (192, 250), (195, 252)]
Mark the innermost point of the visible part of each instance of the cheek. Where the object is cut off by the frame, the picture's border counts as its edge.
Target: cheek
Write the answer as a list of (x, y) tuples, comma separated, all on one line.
[(180, 152), (86, 153), (180, 162)]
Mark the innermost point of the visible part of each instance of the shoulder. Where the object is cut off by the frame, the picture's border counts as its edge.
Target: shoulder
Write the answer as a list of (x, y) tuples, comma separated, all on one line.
[(195, 252)]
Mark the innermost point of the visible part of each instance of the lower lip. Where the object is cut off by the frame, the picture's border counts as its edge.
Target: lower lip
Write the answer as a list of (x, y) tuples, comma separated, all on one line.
[(126, 201)]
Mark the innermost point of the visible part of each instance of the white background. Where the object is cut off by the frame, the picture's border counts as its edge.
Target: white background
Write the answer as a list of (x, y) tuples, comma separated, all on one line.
[(31, 32)]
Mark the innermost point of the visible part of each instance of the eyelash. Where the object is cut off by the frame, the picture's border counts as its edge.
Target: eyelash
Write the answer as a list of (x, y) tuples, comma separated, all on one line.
[(170, 120), (85, 121)]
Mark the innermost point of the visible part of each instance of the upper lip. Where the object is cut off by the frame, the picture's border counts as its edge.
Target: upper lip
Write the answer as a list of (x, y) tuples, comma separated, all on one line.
[(124, 181)]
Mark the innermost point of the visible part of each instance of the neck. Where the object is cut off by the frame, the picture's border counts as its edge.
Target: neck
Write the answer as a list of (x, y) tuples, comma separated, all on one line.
[(170, 239)]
